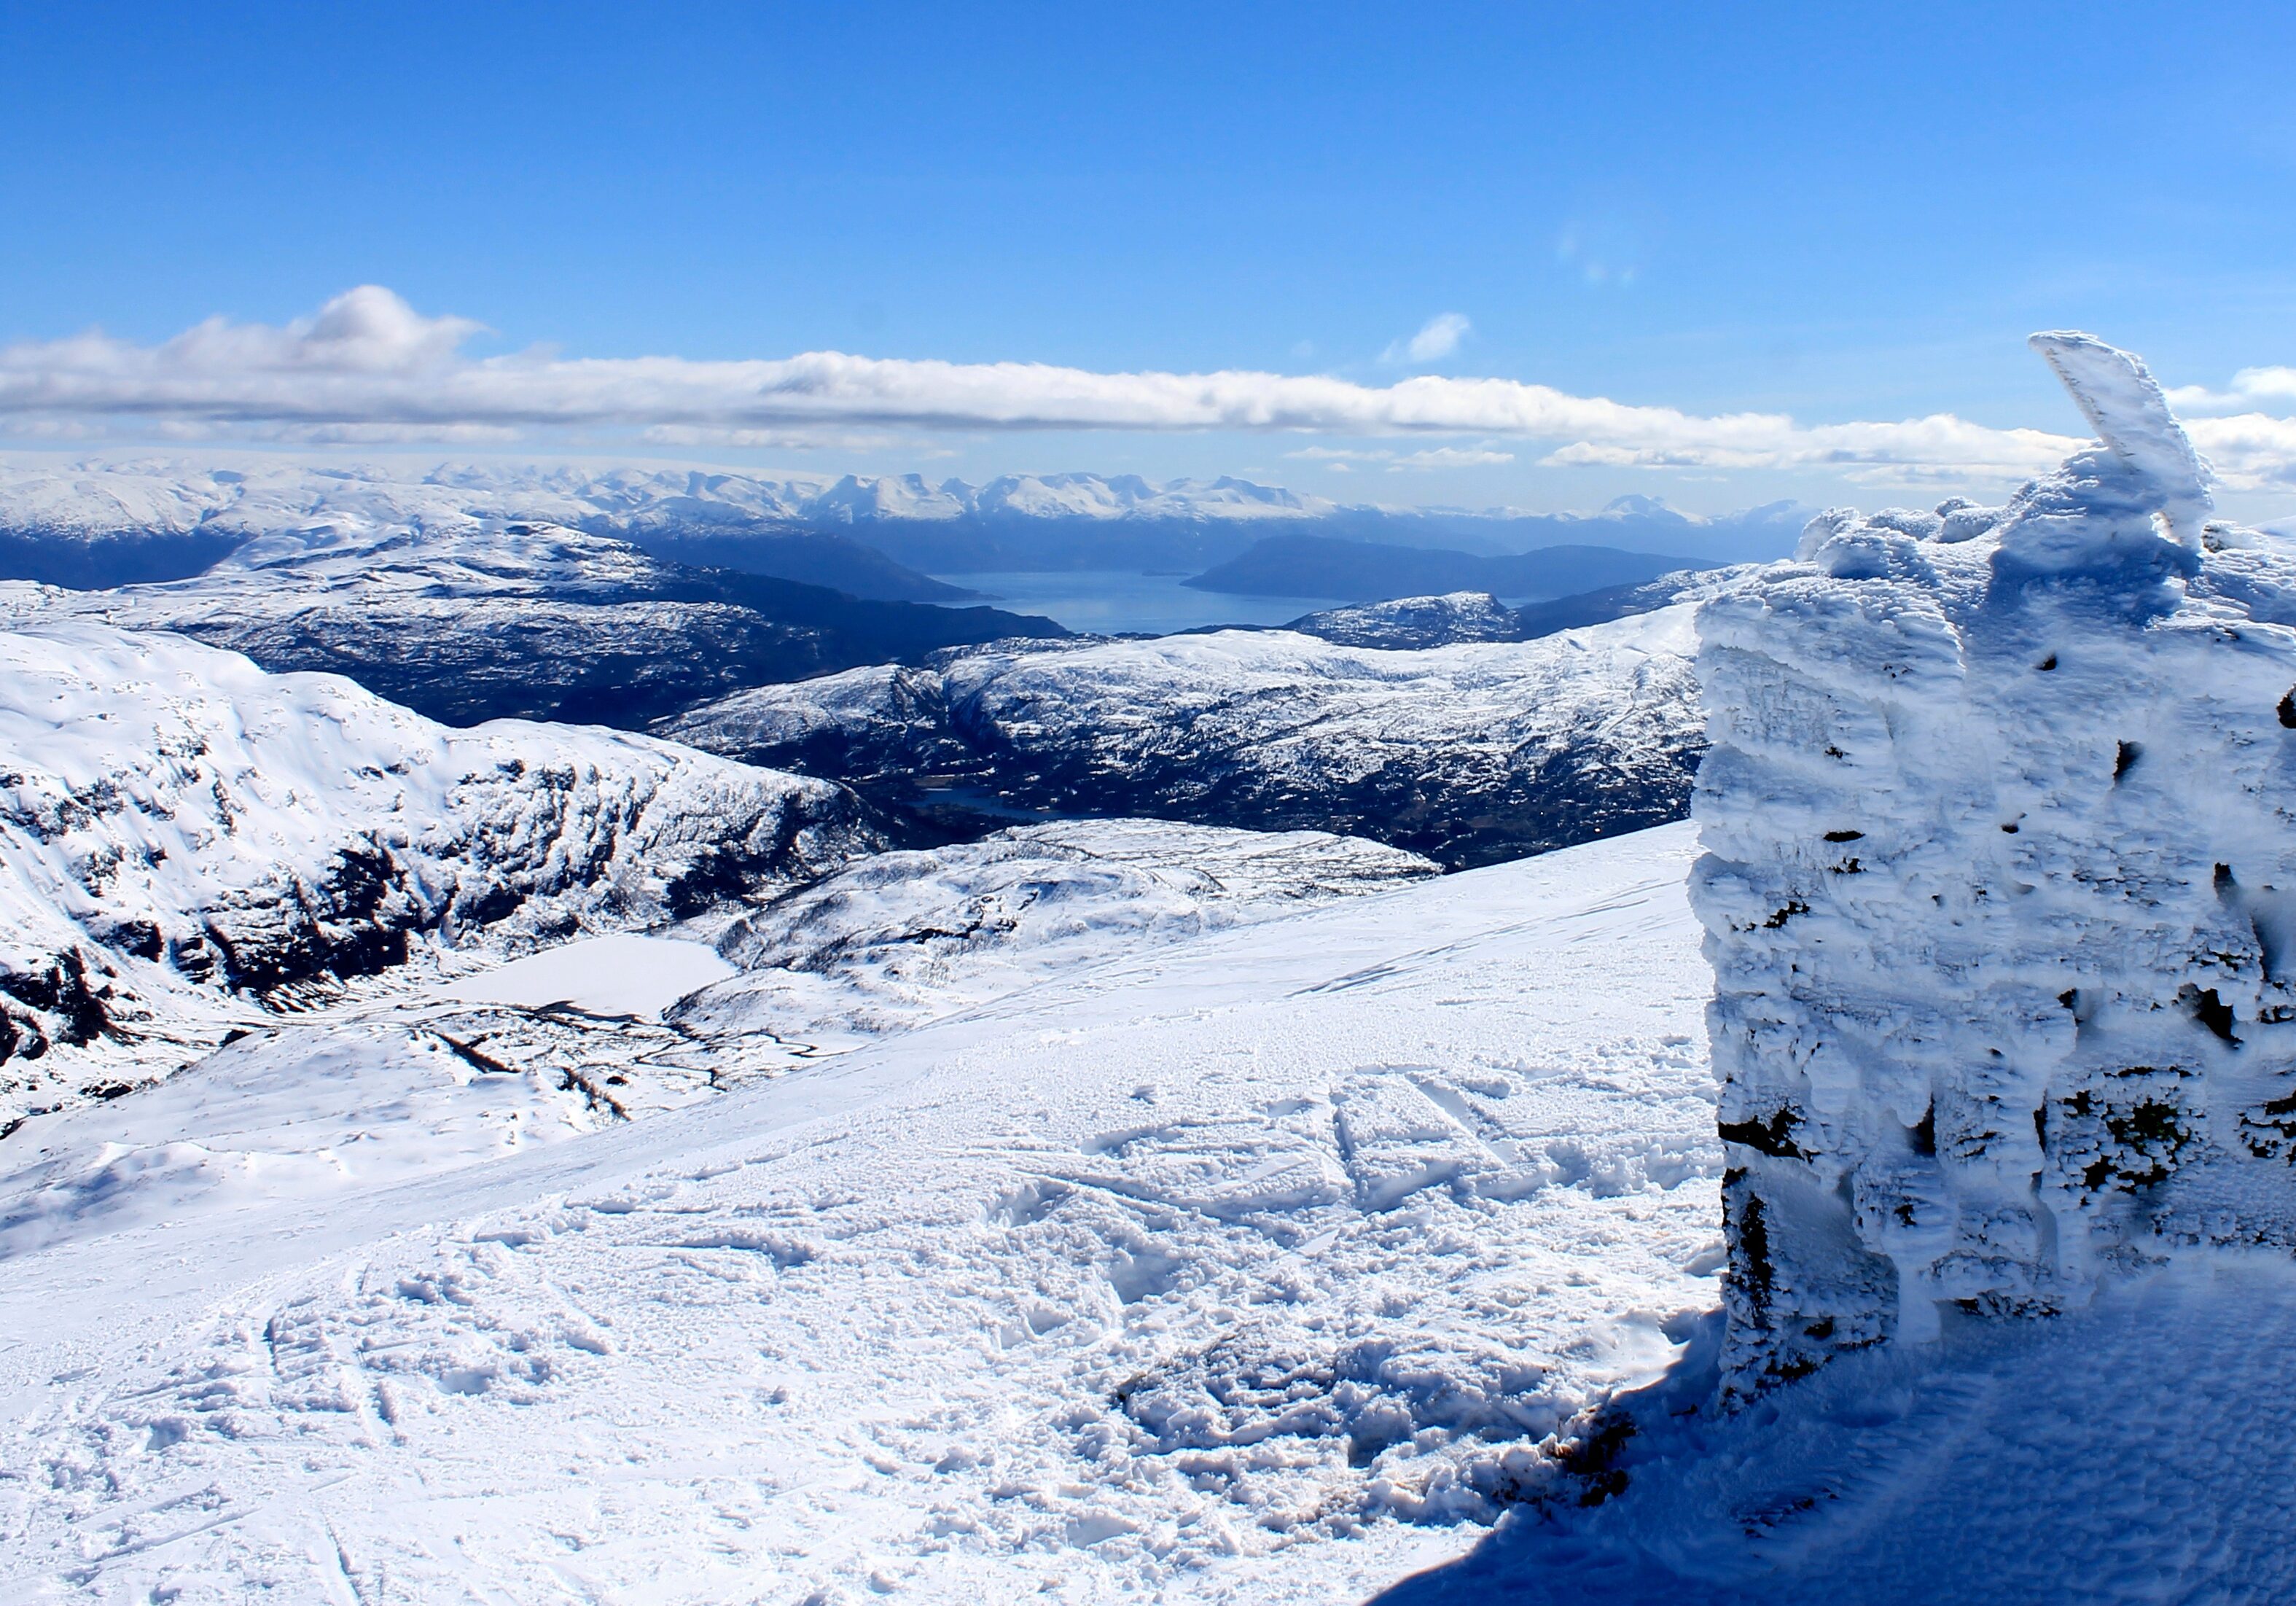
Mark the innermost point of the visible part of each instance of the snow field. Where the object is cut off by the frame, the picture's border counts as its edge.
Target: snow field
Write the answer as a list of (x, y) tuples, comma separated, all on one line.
[(625, 974), (895, 939), (1235, 1268)]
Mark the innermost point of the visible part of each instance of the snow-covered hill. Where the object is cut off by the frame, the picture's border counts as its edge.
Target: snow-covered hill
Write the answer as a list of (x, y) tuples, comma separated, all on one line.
[(1406, 623), (900, 938), (181, 833), (1466, 753)]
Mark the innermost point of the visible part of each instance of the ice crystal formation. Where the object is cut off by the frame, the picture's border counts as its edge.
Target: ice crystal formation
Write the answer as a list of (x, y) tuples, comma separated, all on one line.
[(2000, 895)]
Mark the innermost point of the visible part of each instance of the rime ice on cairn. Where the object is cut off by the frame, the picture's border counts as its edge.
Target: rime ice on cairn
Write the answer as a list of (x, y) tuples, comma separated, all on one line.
[(2000, 895)]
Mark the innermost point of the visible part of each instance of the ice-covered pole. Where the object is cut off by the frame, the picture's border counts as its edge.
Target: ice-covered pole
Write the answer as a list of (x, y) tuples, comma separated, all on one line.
[(2000, 895)]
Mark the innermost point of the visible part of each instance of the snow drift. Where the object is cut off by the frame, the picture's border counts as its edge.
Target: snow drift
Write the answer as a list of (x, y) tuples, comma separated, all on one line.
[(2000, 895)]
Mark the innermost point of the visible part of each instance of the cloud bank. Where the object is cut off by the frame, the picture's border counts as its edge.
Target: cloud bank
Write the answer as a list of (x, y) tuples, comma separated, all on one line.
[(369, 366)]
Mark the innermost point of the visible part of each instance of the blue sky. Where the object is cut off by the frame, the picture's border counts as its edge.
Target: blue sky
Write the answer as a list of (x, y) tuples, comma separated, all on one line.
[(1839, 213)]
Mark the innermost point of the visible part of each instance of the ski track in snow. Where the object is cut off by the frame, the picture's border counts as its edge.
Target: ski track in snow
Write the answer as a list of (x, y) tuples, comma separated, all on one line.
[(1236, 1268)]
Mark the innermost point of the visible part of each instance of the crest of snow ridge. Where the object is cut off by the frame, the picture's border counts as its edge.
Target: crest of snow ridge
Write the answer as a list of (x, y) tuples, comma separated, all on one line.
[(2000, 893)]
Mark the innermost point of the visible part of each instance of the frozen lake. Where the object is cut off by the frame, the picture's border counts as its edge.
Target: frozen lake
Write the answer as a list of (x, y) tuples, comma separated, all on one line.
[(1113, 601)]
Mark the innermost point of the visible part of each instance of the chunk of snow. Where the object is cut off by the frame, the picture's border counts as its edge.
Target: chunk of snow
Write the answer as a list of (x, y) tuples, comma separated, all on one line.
[(2000, 862)]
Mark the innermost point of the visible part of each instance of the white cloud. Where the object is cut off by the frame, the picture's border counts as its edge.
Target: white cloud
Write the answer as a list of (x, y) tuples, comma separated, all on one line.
[(2249, 387), (368, 367), (1437, 339), (2250, 451), (1450, 457), (1338, 455), (349, 432), (783, 441)]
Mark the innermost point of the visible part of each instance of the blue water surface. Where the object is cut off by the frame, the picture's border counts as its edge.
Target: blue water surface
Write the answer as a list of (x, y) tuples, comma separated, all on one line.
[(1113, 601)]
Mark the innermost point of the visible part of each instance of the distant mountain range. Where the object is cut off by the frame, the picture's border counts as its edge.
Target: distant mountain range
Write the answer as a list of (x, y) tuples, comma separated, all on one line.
[(882, 538), (490, 620), (99, 524)]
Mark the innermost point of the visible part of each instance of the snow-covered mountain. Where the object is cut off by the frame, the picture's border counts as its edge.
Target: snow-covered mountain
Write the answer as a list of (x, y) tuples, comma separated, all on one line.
[(1465, 753), (98, 497), (100, 523), (485, 619), (1404, 623), (187, 840), (896, 497), (1511, 748)]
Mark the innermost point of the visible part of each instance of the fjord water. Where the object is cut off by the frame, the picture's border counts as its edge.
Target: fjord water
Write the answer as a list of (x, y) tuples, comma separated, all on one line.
[(1114, 602)]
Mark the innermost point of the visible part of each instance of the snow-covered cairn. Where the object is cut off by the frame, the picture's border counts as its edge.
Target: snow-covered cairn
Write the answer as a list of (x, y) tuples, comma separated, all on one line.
[(2000, 895)]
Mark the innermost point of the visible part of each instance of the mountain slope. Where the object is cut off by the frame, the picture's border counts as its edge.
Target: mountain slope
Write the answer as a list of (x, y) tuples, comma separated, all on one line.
[(1468, 753), (185, 840), (898, 938), (1406, 624)]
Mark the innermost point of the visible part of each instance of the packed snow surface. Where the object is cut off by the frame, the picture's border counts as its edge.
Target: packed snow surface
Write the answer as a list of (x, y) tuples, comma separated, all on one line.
[(2136, 1451), (300, 1116), (1259, 1262)]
